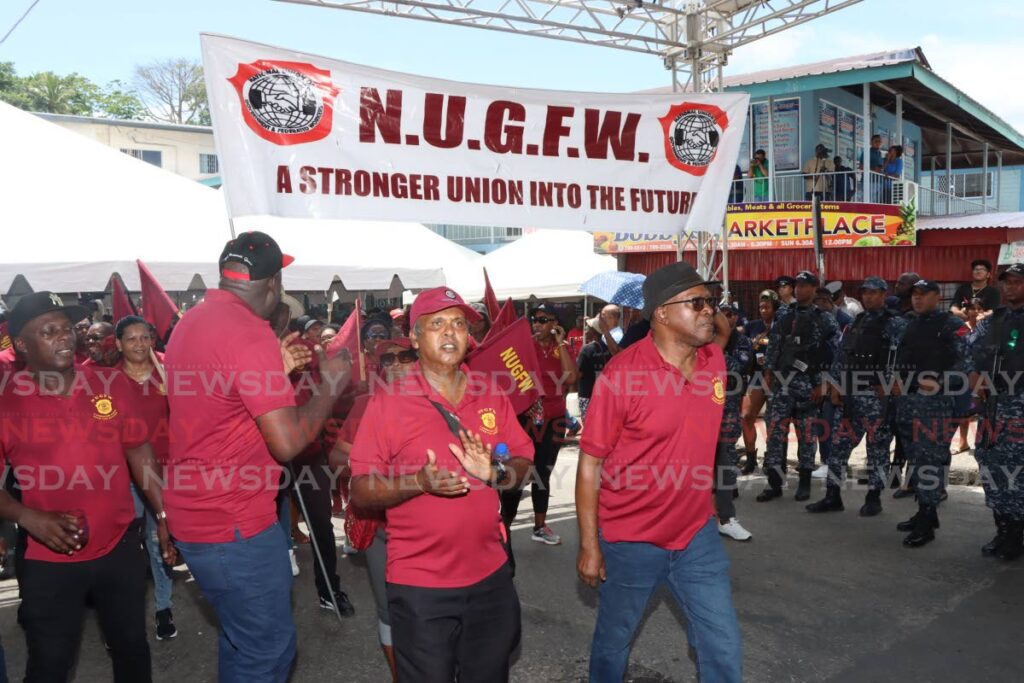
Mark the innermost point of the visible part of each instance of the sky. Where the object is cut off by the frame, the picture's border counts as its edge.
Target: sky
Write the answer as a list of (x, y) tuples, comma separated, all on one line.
[(973, 45)]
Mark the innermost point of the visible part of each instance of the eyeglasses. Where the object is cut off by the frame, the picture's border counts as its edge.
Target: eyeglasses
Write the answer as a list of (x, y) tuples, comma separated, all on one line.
[(376, 335), (403, 357), (543, 321), (697, 303)]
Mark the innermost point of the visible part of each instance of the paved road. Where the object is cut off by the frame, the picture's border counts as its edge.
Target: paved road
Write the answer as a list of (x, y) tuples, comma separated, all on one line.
[(832, 598)]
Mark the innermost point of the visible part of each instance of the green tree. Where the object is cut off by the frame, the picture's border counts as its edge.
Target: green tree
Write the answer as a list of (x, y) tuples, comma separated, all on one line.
[(71, 94), (119, 101), (12, 87), (173, 90)]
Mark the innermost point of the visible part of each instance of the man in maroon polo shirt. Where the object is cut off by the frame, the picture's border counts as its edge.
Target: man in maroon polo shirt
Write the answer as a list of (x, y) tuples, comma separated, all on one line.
[(453, 607), (66, 432), (233, 418), (644, 480)]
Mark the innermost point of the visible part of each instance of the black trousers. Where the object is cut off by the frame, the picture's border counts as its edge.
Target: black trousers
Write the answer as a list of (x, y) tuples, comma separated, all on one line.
[(547, 441), (314, 484), (455, 634), (53, 597)]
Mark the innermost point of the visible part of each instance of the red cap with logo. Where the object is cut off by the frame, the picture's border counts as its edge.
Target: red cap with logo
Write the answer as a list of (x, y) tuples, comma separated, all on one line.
[(438, 299)]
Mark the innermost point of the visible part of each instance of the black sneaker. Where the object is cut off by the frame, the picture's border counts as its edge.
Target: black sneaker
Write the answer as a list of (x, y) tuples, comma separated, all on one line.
[(165, 628), (345, 607)]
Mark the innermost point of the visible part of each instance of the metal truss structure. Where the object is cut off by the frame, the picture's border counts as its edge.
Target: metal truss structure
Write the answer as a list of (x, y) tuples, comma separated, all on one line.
[(691, 38)]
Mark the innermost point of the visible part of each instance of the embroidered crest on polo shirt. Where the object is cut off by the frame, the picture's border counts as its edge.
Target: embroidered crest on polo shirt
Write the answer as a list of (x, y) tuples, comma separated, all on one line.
[(104, 406), (718, 387), (488, 421)]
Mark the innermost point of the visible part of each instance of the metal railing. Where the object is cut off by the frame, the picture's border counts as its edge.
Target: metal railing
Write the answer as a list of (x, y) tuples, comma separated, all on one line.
[(849, 186)]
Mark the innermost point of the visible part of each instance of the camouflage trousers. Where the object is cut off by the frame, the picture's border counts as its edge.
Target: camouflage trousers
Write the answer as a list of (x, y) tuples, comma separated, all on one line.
[(1001, 458), (926, 426), (731, 427), (861, 416), (791, 405)]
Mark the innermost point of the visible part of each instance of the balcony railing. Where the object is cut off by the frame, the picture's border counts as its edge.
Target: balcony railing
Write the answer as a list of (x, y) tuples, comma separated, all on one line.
[(849, 186)]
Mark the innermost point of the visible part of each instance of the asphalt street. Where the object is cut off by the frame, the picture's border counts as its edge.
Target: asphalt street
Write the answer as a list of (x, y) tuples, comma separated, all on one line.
[(820, 598)]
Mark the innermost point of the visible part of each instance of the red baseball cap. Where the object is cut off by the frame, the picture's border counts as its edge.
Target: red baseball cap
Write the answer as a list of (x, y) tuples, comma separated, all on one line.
[(438, 299)]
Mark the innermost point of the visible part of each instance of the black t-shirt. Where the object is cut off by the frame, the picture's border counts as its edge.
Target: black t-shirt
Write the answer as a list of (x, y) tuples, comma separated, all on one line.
[(964, 293), (593, 357)]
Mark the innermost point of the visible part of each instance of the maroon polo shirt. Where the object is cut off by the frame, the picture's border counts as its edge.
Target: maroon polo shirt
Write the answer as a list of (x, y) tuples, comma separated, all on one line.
[(656, 433), (150, 400), (224, 369), (436, 542), (68, 453), (552, 391)]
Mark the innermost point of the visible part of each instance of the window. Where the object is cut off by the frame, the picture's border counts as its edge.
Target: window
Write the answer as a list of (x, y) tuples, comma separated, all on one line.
[(966, 185), (150, 156), (208, 163)]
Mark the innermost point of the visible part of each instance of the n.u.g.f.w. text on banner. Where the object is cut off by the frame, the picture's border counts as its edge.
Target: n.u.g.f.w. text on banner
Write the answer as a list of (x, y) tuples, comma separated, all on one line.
[(310, 137)]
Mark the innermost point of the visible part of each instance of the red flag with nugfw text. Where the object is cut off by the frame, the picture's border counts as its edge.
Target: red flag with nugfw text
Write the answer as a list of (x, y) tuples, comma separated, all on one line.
[(508, 362)]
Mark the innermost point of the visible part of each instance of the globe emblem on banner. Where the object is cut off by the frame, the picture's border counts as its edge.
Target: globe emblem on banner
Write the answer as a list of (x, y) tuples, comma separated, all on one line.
[(283, 101), (694, 137)]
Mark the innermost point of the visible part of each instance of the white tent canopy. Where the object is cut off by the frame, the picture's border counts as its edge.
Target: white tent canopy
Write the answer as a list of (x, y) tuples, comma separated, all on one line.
[(75, 211), (546, 264)]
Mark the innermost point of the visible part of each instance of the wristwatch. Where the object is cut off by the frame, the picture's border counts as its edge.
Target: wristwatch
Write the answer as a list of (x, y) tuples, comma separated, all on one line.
[(162, 515)]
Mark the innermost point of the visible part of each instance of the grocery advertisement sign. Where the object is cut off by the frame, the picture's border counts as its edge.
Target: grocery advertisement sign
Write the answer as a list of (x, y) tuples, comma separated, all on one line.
[(786, 225)]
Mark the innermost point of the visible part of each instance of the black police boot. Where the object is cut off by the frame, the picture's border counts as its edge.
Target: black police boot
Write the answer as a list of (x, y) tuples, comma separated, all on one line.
[(1011, 548), (1002, 526), (832, 502), (774, 489), (872, 504), (803, 489), (750, 464), (924, 528)]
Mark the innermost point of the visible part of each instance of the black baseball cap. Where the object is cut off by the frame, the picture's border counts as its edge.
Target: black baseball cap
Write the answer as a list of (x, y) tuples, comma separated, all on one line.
[(665, 283), (33, 305), (784, 280), (258, 252), (926, 285), (1015, 269), (806, 277)]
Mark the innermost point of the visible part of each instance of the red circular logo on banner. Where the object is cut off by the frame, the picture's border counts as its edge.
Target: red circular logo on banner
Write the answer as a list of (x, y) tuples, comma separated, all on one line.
[(692, 133), (286, 103)]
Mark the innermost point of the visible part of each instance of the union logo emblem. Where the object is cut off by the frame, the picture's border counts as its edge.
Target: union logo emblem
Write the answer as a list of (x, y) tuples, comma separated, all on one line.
[(104, 406), (488, 421), (719, 391)]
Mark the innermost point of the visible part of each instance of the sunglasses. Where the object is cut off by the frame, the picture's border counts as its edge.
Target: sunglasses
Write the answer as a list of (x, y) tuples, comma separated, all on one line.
[(697, 303), (542, 321), (403, 357), (376, 335)]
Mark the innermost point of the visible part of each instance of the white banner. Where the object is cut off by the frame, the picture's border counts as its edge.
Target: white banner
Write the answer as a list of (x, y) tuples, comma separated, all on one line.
[(305, 136)]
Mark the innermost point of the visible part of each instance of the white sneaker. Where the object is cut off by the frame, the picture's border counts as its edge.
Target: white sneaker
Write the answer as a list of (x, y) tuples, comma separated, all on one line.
[(820, 473), (734, 530), (546, 535), (295, 564), (346, 549)]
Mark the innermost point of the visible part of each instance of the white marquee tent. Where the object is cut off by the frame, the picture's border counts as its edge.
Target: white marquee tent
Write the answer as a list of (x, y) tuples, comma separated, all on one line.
[(546, 264), (74, 211)]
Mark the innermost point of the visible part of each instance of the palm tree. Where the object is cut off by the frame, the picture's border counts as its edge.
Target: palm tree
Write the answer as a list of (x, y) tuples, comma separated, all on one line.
[(55, 94)]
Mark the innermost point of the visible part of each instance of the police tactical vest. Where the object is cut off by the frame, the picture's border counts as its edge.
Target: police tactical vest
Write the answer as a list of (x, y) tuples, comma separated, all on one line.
[(1005, 339), (926, 347), (802, 349), (864, 344), (732, 381)]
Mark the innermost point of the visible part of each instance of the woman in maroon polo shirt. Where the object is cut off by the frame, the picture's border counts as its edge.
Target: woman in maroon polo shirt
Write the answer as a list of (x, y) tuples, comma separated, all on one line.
[(546, 425)]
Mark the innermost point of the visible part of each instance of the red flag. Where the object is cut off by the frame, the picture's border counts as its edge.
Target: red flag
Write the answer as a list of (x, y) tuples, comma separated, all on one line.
[(506, 316), (157, 307), (490, 299), (348, 339), (122, 302), (508, 360)]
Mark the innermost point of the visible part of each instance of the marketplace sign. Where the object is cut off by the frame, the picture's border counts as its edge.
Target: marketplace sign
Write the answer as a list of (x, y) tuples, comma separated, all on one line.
[(785, 225), (304, 136)]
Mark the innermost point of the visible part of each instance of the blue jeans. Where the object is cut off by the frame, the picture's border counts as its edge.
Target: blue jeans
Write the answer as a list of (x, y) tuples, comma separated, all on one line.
[(162, 582), (698, 578), (248, 581)]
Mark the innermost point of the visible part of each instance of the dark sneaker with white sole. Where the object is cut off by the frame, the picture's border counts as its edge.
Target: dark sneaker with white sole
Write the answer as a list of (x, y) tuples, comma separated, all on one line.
[(345, 607), (165, 628)]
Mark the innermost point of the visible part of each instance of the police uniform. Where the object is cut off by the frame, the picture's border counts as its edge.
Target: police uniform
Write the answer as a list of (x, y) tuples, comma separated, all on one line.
[(865, 357), (739, 359), (997, 351), (931, 346), (796, 355)]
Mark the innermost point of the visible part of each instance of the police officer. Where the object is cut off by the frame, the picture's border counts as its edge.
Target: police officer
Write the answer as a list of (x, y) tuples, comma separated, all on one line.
[(864, 360), (930, 355), (739, 363), (998, 353), (796, 357)]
